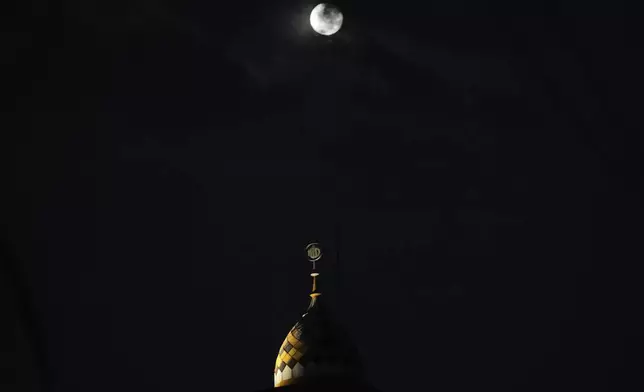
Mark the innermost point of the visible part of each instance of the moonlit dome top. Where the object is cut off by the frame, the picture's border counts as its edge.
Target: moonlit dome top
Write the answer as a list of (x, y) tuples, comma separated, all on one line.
[(316, 349)]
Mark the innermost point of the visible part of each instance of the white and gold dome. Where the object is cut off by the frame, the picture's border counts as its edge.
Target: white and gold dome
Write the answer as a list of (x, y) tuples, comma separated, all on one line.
[(316, 349)]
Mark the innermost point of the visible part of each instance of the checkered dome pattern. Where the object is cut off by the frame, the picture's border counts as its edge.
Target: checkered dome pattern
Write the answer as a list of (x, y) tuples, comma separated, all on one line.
[(290, 361), (315, 348)]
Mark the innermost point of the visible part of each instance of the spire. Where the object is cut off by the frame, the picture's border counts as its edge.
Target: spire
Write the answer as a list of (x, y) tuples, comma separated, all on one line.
[(315, 349), (314, 253)]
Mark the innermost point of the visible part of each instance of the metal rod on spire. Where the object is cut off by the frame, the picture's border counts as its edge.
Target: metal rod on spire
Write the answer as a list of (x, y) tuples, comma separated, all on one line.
[(314, 253)]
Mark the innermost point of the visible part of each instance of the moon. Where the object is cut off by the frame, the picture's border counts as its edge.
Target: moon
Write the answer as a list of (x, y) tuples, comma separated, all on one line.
[(326, 19)]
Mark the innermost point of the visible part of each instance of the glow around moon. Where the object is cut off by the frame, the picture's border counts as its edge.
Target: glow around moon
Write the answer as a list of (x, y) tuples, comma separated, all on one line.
[(326, 19)]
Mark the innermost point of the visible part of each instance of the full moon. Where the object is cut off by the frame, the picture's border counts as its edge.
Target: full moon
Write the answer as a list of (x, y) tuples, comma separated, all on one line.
[(326, 19)]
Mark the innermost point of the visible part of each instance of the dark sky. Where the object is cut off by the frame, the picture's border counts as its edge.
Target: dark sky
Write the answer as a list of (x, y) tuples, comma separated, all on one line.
[(477, 165)]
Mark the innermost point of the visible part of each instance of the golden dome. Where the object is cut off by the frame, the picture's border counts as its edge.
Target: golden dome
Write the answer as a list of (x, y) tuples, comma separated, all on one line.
[(315, 348)]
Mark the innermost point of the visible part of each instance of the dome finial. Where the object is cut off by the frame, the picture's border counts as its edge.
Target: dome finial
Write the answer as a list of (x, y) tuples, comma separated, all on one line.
[(314, 253)]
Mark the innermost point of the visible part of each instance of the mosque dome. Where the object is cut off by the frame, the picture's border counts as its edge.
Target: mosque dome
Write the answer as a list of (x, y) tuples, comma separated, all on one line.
[(316, 349)]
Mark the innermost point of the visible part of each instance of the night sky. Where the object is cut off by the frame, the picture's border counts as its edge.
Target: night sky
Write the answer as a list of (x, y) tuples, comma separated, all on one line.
[(475, 165)]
